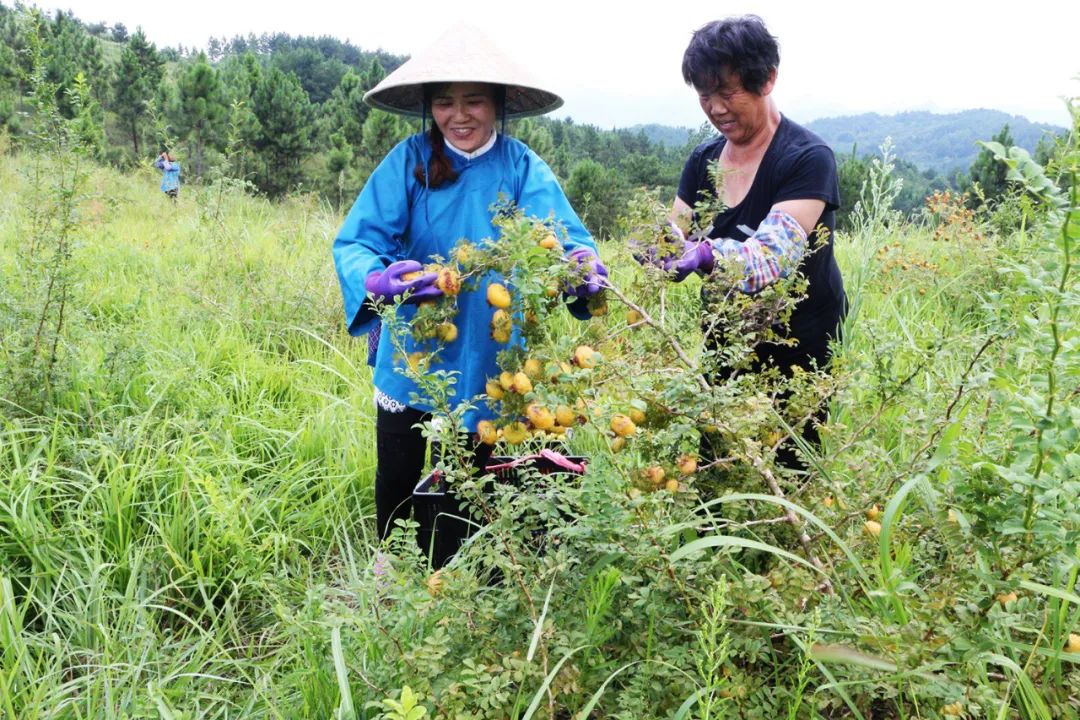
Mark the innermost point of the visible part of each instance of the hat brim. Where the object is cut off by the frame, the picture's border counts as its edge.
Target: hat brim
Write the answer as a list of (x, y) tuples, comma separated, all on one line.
[(464, 54), (408, 99)]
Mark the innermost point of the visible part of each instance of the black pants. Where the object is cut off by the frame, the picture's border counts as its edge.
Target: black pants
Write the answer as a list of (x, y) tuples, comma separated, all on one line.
[(400, 450), (812, 351)]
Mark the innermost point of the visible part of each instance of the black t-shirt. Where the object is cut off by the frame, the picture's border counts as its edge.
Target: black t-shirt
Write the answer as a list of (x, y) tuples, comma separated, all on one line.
[(797, 165)]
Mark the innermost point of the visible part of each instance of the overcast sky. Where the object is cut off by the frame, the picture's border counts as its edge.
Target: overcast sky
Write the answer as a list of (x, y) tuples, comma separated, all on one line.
[(617, 67)]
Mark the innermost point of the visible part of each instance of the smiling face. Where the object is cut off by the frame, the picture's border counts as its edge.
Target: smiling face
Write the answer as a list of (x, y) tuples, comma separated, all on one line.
[(735, 111), (465, 114)]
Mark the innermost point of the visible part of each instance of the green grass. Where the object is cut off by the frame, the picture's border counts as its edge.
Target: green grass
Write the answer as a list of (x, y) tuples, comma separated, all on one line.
[(185, 527)]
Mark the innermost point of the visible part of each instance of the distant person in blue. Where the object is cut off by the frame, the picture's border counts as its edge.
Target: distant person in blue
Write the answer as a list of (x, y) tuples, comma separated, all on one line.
[(170, 174), (430, 191), (779, 188)]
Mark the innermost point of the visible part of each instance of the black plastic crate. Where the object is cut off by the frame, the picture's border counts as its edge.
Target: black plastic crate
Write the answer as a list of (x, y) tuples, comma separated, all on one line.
[(444, 526)]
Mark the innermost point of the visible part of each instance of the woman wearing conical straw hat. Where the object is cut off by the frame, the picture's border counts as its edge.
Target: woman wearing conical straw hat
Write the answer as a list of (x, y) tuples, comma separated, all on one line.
[(433, 189)]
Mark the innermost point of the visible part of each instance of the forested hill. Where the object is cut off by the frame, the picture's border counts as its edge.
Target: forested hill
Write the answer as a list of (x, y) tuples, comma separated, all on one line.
[(943, 143)]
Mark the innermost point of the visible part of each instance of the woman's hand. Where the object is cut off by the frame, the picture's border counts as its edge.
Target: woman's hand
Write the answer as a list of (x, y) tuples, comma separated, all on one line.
[(387, 284), (695, 255), (594, 274)]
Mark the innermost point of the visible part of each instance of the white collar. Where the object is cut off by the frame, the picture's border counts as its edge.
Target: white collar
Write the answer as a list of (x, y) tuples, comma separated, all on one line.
[(478, 151)]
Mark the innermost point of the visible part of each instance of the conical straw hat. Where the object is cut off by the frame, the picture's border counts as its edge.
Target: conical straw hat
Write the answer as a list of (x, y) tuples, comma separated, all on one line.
[(465, 54)]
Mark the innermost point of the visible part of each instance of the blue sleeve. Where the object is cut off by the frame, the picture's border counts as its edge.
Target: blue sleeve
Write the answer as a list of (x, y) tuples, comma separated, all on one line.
[(541, 196), (371, 236), (159, 164)]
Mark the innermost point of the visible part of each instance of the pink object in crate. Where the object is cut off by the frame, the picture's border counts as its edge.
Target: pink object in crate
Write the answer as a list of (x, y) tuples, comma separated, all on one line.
[(551, 456)]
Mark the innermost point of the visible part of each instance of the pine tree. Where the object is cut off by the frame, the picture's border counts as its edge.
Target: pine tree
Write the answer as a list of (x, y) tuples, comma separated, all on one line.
[(382, 131), (137, 78), (345, 111), (201, 110), (283, 139)]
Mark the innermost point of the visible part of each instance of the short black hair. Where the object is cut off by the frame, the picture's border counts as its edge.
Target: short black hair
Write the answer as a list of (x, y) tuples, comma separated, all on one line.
[(734, 46)]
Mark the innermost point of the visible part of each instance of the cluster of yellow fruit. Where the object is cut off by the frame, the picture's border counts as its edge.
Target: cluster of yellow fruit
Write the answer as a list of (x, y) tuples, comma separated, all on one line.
[(872, 526), (435, 318), (447, 279), (538, 418), (656, 477), (501, 322)]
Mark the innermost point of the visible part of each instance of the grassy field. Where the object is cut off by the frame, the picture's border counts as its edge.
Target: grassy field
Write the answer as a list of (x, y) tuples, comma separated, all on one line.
[(186, 460)]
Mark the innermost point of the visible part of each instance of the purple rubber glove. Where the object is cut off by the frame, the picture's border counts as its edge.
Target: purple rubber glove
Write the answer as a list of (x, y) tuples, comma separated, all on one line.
[(697, 256), (385, 284), (595, 274)]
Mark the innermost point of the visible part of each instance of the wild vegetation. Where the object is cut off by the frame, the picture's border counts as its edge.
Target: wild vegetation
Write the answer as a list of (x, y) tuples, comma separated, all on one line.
[(186, 464)]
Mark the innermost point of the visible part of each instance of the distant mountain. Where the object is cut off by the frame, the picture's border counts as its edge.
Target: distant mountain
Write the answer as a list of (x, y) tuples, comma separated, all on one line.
[(941, 142), (664, 134)]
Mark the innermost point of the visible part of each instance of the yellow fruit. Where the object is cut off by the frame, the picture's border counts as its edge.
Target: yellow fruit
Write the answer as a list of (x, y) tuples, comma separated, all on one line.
[(585, 357), (672, 485), (953, 517), (565, 416), (622, 425), (873, 513), (487, 432), (540, 417), (633, 317), (618, 444), (955, 709), (551, 291), (558, 430), (410, 276), (436, 583), (1006, 598), (655, 475), (501, 326), (1073, 645), (549, 243), (501, 322), (415, 361), (506, 379), (687, 464), (494, 390), (828, 501), (447, 332), (633, 493), (465, 253), (533, 368), (515, 433), (597, 305), (498, 296), (873, 527), (636, 415), (521, 383), (449, 281)]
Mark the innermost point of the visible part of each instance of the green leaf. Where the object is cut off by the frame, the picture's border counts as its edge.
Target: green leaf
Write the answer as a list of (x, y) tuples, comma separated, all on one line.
[(730, 541)]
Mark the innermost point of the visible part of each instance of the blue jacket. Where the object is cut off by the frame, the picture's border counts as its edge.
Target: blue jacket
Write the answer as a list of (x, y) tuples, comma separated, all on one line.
[(170, 174), (398, 218)]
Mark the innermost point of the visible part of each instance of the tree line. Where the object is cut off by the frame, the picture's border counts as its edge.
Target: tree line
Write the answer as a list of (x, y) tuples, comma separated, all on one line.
[(286, 114)]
